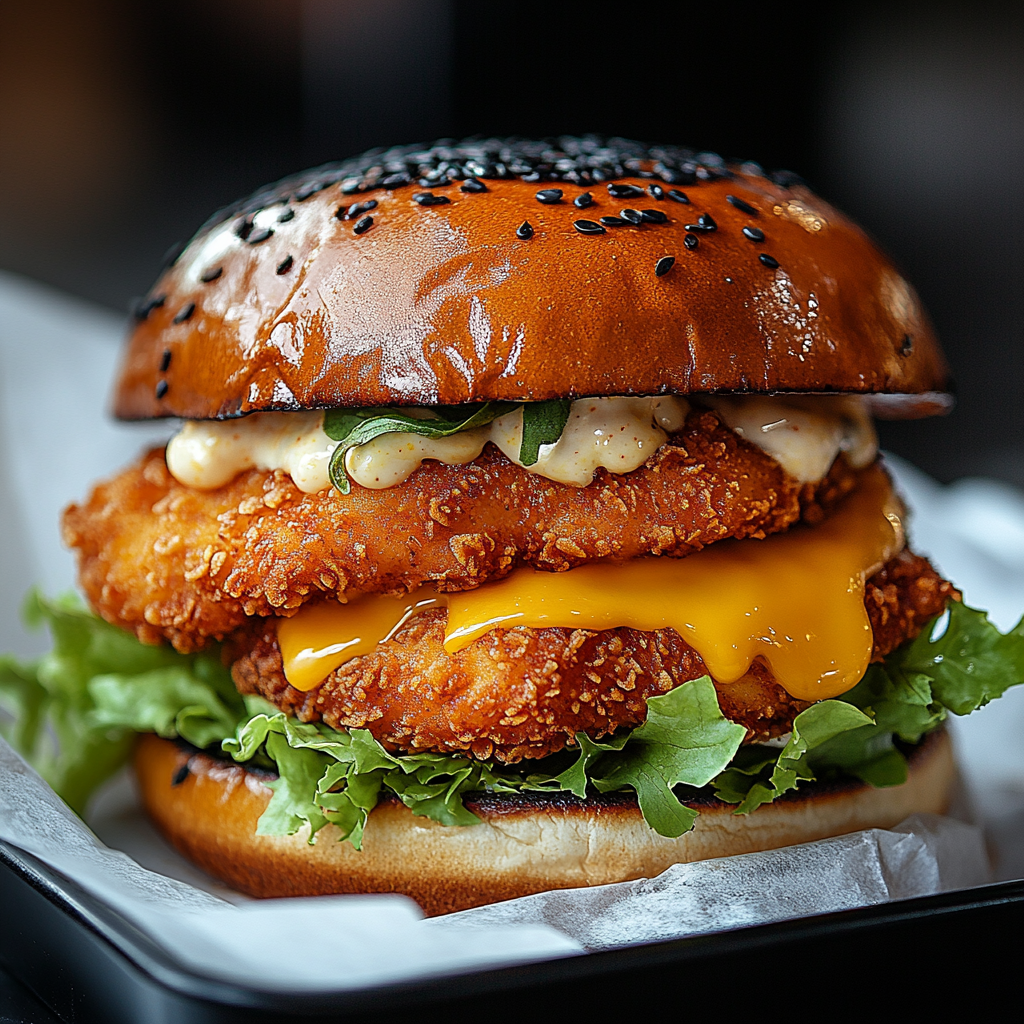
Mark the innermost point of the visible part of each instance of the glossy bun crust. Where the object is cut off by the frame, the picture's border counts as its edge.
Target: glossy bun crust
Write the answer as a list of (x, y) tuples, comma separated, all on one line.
[(525, 844), (469, 288)]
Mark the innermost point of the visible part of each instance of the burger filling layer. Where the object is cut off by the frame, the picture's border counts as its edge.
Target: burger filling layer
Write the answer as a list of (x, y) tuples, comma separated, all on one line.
[(795, 600), (174, 562), (803, 434), (528, 691), (695, 620)]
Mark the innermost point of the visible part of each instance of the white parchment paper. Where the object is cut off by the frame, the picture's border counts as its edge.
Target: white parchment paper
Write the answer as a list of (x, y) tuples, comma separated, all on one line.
[(56, 363)]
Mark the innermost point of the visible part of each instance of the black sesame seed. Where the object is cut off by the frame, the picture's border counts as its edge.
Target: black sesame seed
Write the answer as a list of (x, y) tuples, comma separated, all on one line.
[(549, 196), (146, 306), (430, 199), (286, 215), (614, 222), (285, 265), (358, 209), (211, 275), (525, 230), (174, 253), (629, 168), (768, 261), (472, 185), (308, 190), (787, 179), (260, 236), (653, 216), (588, 227), (712, 173), (741, 205), (633, 216), (184, 313), (754, 234), (664, 265), (906, 346), (363, 225), (165, 360), (243, 228), (683, 176), (340, 212), (583, 200), (624, 191), (161, 388), (180, 775), (707, 222), (691, 241)]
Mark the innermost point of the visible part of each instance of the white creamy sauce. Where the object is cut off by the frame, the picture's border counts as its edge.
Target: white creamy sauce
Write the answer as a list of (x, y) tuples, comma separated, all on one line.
[(803, 433), (209, 453), (619, 434)]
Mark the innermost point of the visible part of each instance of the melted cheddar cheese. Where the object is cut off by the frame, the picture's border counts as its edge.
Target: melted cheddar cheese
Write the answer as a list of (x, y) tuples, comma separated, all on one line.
[(795, 599)]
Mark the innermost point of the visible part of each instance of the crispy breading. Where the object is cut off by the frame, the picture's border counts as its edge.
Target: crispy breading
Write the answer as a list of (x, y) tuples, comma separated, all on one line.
[(169, 561), (524, 692)]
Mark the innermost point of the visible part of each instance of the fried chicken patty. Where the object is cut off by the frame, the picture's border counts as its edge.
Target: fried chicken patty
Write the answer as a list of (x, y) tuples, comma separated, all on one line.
[(172, 562), (525, 692)]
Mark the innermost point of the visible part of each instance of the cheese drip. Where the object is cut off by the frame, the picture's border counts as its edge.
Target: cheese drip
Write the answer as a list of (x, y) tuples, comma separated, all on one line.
[(795, 599)]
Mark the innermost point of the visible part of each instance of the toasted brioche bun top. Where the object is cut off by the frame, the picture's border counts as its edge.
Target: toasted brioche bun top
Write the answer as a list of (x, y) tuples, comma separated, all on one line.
[(280, 302)]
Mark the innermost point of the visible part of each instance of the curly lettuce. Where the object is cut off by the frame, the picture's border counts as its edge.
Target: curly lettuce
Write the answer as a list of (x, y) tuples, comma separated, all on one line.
[(74, 711)]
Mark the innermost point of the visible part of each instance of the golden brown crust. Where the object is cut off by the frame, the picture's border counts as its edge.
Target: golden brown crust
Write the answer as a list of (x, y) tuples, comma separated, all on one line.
[(523, 845), (444, 304), (168, 561), (901, 597), (525, 692)]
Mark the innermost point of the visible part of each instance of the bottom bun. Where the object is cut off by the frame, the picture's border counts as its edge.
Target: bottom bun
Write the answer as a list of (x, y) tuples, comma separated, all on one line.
[(525, 844)]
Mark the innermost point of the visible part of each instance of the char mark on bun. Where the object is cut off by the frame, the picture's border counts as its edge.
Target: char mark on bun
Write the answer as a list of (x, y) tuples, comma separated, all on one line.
[(472, 530)]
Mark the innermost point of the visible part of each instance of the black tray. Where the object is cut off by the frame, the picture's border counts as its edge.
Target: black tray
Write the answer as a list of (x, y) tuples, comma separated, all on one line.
[(934, 951)]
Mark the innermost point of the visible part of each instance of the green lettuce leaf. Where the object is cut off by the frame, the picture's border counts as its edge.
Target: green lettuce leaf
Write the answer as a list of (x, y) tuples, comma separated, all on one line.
[(73, 712), (330, 776), (960, 668), (686, 739), (812, 728), (326, 775)]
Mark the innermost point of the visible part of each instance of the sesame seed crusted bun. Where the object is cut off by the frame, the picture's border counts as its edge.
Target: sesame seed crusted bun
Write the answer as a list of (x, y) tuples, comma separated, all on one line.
[(516, 271), (208, 809)]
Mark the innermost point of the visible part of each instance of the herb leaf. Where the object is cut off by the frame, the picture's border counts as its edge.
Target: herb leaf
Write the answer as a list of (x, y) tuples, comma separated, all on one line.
[(543, 423), (353, 427)]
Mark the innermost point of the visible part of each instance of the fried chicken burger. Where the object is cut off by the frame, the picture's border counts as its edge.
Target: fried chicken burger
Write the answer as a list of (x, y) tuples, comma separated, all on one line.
[(524, 528)]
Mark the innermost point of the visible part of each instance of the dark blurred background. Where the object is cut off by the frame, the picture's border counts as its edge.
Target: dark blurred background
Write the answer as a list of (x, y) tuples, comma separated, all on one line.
[(124, 124)]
